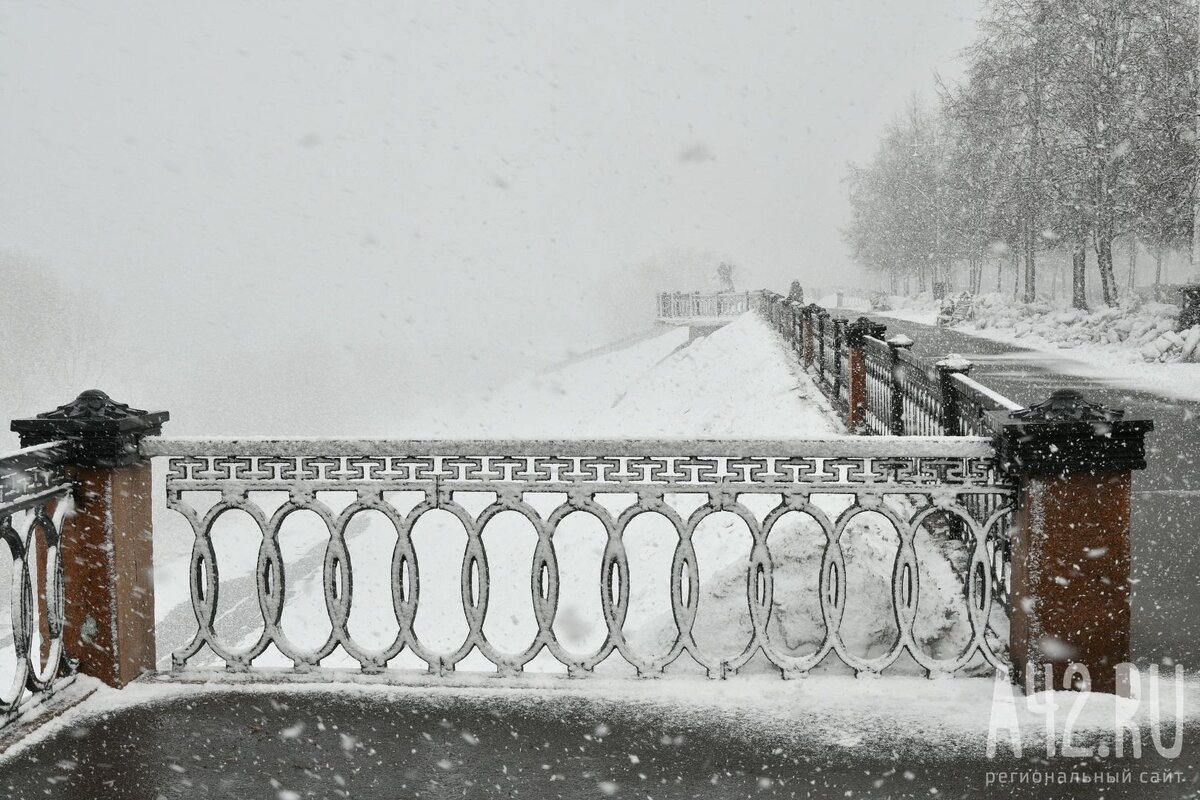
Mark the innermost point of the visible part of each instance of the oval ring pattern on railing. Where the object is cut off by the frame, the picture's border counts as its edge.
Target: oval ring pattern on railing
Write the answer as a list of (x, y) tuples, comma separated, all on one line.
[(34, 500), (905, 491)]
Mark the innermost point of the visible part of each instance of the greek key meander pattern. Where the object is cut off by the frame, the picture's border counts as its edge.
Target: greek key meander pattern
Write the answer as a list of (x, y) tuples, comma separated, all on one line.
[(34, 496), (959, 487)]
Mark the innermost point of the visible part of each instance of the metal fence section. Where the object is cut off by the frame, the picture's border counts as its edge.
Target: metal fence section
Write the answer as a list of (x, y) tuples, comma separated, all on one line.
[(899, 393), (879, 386), (911, 484), (34, 497)]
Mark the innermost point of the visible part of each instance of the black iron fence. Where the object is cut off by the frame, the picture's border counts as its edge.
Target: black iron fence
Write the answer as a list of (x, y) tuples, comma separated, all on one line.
[(877, 384)]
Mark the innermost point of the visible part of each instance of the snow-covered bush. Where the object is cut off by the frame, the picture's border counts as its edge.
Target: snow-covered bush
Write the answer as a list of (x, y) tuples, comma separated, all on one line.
[(1146, 329)]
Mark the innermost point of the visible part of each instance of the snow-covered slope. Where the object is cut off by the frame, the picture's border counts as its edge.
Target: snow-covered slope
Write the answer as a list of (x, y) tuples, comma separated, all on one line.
[(735, 383)]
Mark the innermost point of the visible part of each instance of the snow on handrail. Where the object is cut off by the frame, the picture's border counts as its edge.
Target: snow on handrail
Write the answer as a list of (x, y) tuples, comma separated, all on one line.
[(830, 447), (1000, 400)]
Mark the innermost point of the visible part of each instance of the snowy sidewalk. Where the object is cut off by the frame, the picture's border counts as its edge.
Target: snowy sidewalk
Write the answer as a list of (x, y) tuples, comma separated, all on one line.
[(637, 739)]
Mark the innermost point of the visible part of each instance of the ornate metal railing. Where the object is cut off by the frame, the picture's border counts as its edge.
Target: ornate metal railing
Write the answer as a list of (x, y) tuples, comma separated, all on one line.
[(879, 385), (897, 393), (682, 306), (907, 488), (34, 497)]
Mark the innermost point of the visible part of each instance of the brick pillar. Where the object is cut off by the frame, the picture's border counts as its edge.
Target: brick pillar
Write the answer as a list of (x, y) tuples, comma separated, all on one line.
[(797, 335), (108, 556), (1073, 462), (822, 322), (839, 342), (896, 344), (810, 314), (856, 381)]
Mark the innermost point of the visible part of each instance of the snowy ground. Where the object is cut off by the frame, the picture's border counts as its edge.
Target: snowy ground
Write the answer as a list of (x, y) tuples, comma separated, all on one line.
[(1132, 346), (947, 716)]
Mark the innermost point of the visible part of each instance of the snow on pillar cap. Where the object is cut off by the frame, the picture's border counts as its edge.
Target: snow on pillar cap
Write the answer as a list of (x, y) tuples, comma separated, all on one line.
[(954, 363)]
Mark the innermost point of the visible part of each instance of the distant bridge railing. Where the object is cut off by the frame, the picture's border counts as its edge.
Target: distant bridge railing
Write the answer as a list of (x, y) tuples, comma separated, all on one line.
[(688, 306)]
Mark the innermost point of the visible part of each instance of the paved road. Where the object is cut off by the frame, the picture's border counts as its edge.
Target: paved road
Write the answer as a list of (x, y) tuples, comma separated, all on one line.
[(1166, 504), (443, 744)]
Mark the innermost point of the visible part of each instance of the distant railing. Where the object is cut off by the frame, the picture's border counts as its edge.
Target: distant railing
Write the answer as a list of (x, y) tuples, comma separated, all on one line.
[(878, 386), (34, 496), (908, 489), (685, 306)]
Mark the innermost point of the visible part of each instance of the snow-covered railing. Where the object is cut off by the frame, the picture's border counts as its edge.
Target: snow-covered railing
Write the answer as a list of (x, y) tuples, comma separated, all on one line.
[(880, 387), (681, 307), (820, 520), (34, 497)]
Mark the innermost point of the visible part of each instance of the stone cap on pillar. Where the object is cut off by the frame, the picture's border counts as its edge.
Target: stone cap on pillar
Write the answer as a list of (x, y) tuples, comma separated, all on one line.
[(101, 431), (1068, 434)]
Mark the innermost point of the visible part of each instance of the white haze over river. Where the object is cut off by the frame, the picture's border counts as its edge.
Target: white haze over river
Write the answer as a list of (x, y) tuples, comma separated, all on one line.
[(295, 218)]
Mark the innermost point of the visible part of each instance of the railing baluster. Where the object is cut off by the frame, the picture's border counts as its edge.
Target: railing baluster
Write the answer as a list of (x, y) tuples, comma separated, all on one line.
[(897, 345)]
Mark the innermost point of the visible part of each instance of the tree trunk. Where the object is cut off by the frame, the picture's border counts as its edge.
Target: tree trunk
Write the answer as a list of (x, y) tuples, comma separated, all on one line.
[(1104, 261), (1195, 259), (1158, 267), (1133, 254), (1030, 261), (1079, 275)]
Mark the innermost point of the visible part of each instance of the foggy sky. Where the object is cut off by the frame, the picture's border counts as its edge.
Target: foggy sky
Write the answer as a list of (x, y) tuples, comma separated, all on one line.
[(438, 181)]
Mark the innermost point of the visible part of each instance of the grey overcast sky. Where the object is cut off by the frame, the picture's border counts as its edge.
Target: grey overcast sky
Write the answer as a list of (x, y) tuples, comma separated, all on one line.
[(377, 173)]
